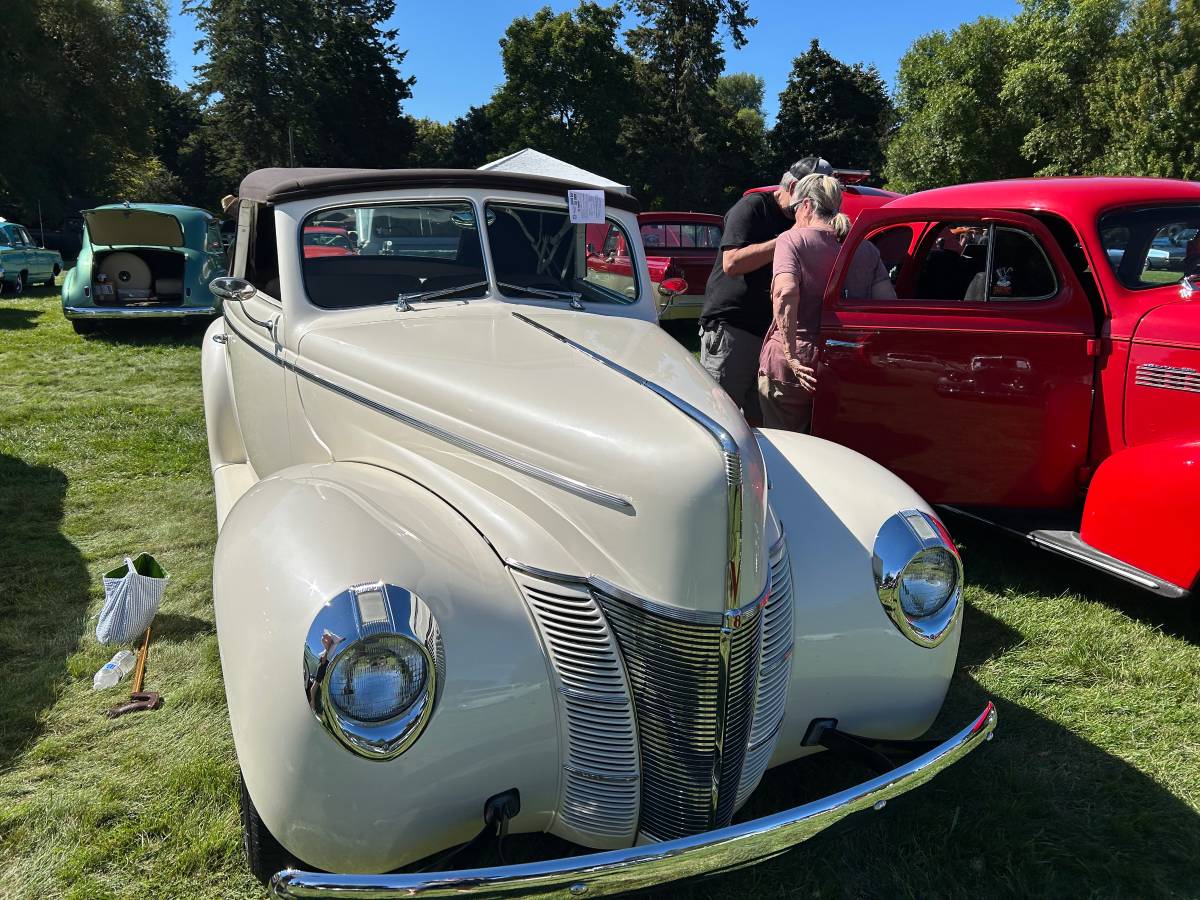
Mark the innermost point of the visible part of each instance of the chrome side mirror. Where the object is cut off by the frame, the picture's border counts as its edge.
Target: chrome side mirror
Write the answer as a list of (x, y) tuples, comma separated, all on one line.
[(238, 290), (1189, 286)]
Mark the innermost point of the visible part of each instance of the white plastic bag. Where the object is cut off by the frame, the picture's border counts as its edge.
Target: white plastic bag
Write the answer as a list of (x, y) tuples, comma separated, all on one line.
[(132, 592)]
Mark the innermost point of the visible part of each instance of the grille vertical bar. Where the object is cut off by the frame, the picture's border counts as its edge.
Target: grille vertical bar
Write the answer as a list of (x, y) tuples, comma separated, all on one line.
[(774, 672), (600, 784), (675, 674)]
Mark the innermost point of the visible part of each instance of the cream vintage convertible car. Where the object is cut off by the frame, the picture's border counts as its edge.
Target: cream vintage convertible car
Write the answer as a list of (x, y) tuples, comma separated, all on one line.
[(496, 555)]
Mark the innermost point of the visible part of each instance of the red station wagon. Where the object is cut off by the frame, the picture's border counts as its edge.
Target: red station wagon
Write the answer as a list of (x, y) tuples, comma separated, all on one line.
[(1041, 367)]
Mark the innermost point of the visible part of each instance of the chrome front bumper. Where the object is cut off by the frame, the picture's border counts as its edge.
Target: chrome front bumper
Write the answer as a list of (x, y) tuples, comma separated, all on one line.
[(651, 865), (137, 312)]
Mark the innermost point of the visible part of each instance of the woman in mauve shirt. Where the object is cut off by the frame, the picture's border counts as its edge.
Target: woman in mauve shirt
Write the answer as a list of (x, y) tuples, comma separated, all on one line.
[(804, 257)]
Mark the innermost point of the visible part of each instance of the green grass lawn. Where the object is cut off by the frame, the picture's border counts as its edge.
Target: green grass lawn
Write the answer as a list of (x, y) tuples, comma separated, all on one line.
[(1091, 789)]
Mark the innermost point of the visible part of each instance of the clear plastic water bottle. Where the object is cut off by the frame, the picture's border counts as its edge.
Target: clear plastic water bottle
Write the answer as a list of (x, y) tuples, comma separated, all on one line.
[(114, 670)]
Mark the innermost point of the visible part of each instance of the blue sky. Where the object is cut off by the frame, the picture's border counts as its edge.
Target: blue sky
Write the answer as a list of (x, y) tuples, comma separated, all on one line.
[(453, 50)]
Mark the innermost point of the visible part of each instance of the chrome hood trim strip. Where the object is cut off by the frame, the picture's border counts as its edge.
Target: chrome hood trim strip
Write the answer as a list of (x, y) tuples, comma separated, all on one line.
[(563, 482), (649, 865)]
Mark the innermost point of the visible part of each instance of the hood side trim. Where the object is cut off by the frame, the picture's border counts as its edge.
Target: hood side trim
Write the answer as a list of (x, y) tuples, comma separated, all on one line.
[(563, 482)]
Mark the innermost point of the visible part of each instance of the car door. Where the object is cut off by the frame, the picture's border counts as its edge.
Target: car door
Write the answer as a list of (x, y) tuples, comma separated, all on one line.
[(253, 329), (975, 384), (37, 260), (12, 252)]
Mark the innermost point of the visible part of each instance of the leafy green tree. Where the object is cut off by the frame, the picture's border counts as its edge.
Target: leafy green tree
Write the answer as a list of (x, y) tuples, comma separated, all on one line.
[(473, 143), (83, 81), (831, 109), (433, 144), (314, 82), (1148, 93), (566, 86), (679, 143), (1057, 50), (953, 127), (741, 90)]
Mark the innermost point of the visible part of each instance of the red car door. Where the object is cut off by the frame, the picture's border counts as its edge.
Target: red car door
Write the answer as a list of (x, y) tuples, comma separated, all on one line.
[(975, 386)]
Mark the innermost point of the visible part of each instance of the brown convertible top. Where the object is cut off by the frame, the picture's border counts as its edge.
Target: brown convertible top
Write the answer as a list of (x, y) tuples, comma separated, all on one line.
[(282, 185)]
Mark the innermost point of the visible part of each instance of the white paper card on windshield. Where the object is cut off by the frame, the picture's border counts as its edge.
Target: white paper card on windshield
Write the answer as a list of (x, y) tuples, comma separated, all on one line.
[(587, 207)]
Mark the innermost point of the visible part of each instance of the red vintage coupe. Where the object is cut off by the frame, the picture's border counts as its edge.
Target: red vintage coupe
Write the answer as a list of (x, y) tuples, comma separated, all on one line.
[(1040, 368)]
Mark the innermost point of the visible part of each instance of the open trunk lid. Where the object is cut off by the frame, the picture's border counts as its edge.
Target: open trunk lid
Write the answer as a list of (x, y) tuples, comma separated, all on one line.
[(133, 228)]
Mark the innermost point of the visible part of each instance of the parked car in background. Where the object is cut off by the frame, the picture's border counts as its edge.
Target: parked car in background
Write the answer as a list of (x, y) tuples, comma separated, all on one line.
[(327, 240), (681, 245), (1035, 371), (24, 261), (856, 196), (144, 260), (496, 556)]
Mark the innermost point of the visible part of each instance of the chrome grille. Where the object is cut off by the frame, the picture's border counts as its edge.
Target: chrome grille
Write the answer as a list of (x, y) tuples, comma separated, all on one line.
[(600, 778), (675, 671), (1170, 377), (774, 672)]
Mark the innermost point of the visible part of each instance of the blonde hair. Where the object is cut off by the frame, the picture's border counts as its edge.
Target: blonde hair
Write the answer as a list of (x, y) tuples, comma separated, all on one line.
[(824, 192)]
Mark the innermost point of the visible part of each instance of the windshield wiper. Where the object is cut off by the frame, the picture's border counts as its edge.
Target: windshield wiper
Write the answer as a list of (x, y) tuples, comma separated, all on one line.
[(404, 301), (573, 297)]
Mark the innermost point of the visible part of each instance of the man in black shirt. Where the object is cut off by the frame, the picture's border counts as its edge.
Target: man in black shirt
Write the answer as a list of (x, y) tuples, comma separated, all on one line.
[(737, 300)]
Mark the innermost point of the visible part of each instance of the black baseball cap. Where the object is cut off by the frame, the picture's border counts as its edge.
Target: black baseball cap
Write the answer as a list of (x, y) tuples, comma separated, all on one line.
[(810, 165)]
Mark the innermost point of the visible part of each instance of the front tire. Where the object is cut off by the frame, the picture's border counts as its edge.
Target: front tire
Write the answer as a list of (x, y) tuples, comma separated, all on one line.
[(264, 854), (53, 276)]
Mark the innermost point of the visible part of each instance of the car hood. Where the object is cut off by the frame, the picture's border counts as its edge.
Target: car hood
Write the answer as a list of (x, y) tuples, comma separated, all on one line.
[(133, 228), (494, 408)]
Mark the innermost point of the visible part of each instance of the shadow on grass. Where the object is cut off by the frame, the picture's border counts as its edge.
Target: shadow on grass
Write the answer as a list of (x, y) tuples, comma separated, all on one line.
[(11, 319), (176, 628), (1002, 562), (44, 593), (187, 332)]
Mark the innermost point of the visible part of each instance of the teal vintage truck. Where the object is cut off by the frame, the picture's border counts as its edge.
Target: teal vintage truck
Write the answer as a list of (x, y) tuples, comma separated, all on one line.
[(22, 261), (144, 260)]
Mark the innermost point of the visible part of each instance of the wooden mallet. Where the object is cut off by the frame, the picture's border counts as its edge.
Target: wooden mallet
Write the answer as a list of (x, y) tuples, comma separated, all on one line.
[(139, 699)]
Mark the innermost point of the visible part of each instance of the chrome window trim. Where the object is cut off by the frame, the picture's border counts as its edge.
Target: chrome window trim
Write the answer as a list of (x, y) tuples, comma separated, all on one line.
[(413, 201), (896, 545), (407, 616), (618, 299), (563, 482), (648, 865)]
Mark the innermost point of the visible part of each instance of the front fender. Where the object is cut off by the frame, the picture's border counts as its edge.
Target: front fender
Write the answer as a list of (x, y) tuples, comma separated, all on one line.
[(850, 662), (1141, 509), (299, 538)]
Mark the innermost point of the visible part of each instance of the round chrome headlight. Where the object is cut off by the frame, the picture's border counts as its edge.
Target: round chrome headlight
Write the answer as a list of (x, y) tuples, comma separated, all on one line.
[(378, 678), (373, 663), (918, 574)]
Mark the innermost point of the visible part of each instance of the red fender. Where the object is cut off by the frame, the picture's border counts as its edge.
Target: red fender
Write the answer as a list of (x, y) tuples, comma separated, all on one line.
[(1143, 507)]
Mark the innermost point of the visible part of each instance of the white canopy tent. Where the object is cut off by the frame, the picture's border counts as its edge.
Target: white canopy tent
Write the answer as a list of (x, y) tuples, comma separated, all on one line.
[(534, 162)]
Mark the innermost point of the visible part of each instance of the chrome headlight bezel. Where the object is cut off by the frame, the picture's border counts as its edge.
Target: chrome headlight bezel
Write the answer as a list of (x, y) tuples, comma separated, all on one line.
[(359, 613), (901, 539)]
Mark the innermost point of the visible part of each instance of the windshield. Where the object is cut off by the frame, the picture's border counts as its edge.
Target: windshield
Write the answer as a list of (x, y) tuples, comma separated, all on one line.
[(365, 255), (539, 254), (1152, 247)]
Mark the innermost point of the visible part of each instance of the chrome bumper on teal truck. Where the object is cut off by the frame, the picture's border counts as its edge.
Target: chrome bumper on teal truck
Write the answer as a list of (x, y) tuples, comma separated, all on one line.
[(649, 865)]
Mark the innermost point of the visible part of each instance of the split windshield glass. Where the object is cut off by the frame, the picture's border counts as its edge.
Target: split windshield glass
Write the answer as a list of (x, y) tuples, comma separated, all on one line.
[(363, 255), (1152, 247), (540, 255)]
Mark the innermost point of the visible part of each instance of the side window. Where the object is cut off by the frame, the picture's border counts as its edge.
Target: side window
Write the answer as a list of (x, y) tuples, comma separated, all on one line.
[(212, 238), (23, 236), (1020, 269), (263, 263), (975, 262), (893, 245), (4, 239)]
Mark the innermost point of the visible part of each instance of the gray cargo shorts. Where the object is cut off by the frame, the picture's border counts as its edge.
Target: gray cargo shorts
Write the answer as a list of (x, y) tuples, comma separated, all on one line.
[(731, 357)]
